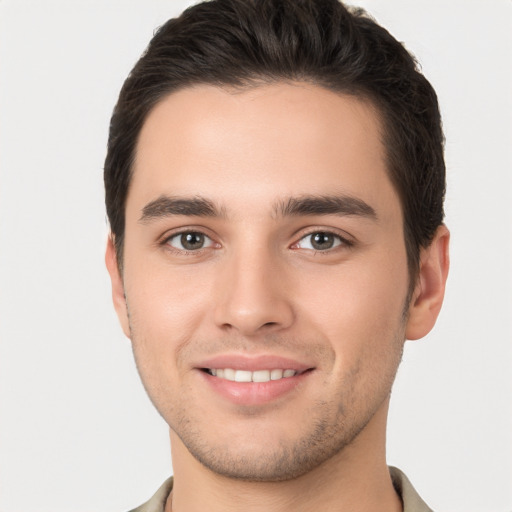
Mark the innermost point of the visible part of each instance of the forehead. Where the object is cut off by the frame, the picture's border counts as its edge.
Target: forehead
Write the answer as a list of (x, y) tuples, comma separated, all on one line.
[(260, 143)]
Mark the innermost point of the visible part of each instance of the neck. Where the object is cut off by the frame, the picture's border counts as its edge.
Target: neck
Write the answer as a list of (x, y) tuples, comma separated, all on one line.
[(355, 479)]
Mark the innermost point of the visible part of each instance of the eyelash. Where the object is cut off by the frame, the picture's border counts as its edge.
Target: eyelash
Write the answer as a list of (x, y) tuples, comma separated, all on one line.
[(341, 242), (166, 242)]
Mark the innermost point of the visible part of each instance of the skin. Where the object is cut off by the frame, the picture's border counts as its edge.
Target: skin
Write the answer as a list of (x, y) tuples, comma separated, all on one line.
[(258, 286)]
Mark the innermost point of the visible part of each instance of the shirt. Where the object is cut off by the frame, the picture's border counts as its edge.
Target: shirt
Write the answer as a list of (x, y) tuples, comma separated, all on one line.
[(410, 498)]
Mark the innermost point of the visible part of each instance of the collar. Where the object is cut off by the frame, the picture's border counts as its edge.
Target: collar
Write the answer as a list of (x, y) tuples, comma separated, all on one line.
[(410, 498)]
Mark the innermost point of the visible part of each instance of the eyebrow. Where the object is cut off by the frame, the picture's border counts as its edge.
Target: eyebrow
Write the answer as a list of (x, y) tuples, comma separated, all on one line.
[(325, 205), (168, 206)]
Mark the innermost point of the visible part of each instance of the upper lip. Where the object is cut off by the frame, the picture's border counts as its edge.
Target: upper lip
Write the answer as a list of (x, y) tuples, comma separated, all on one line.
[(253, 363)]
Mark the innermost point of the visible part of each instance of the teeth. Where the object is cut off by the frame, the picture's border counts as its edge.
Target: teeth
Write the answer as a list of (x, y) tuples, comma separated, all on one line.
[(229, 374), (276, 374), (248, 376), (261, 376), (241, 376)]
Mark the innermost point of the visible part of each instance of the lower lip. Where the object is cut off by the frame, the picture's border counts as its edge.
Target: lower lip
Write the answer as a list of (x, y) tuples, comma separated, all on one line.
[(254, 393)]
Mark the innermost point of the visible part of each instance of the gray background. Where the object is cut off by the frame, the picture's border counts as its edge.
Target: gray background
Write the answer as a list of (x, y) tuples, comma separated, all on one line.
[(77, 432)]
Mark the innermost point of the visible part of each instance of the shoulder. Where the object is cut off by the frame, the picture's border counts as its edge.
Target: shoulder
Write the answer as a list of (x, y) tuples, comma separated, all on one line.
[(410, 498), (157, 501)]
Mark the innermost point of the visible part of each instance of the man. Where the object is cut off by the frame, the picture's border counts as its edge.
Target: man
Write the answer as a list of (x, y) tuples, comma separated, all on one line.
[(274, 185)]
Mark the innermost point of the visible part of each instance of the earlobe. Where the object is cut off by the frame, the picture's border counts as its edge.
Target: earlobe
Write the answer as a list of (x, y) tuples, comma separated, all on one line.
[(118, 296), (428, 295)]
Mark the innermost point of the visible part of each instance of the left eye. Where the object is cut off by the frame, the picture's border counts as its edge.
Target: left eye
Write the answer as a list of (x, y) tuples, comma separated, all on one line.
[(320, 241), (189, 241)]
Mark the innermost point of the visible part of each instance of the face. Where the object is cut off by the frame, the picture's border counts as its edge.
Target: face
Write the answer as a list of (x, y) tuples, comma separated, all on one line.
[(265, 274)]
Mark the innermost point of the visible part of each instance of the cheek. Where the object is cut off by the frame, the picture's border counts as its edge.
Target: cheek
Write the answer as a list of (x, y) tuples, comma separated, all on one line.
[(163, 316), (362, 320), (166, 310), (359, 308), (171, 294)]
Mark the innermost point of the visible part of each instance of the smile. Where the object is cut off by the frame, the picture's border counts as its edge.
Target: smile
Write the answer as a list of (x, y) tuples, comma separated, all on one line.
[(253, 381), (251, 376)]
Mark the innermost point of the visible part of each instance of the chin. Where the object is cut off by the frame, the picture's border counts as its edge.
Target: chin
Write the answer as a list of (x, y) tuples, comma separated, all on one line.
[(256, 458)]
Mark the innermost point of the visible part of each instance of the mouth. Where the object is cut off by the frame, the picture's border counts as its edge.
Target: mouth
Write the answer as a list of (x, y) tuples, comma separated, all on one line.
[(252, 376), (254, 380)]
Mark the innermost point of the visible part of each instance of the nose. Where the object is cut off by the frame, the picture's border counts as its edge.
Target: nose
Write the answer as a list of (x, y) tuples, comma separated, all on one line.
[(253, 296)]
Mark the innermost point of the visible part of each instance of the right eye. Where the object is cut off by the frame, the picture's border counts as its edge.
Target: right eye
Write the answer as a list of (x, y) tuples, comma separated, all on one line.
[(189, 241)]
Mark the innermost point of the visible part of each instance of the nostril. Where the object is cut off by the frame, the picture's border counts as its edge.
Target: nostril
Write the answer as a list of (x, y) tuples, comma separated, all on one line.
[(248, 317)]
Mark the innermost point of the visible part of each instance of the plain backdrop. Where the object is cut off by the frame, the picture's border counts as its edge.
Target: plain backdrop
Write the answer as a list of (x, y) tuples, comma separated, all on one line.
[(77, 432)]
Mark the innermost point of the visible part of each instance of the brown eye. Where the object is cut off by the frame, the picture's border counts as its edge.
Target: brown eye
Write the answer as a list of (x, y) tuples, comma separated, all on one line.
[(189, 241), (192, 241), (321, 241)]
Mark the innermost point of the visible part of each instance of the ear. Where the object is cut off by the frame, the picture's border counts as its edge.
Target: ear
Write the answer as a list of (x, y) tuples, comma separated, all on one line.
[(118, 296), (428, 294)]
